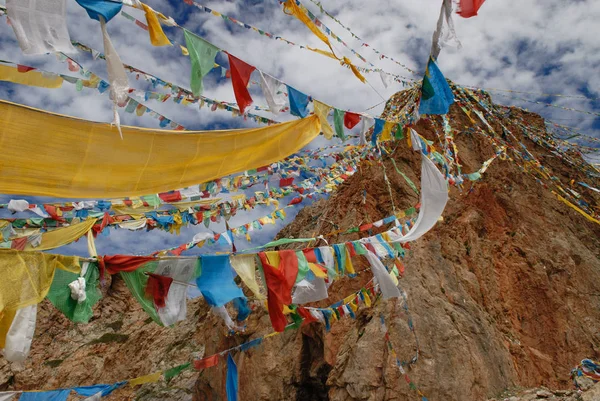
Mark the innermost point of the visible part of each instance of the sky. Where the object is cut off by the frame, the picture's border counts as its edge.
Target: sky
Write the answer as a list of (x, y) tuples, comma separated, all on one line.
[(536, 46)]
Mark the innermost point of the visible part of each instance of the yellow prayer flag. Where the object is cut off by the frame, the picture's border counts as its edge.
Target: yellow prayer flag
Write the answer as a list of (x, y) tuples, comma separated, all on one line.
[(153, 378), (321, 111), (386, 134), (157, 35)]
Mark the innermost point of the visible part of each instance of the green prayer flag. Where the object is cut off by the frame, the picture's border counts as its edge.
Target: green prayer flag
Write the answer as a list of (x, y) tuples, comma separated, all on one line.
[(338, 120), (171, 373), (399, 133), (136, 281), (202, 56), (60, 294), (152, 200), (302, 266)]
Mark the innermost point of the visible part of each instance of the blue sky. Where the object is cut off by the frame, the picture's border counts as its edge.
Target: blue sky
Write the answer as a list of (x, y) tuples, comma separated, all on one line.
[(540, 46)]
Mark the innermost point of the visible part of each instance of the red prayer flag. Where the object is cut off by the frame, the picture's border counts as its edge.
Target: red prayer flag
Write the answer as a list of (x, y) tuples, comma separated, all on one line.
[(295, 201), (121, 263), (168, 197), (158, 289), (99, 227), (280, 280), (469, 8), (53, 212), (285, 182), (18, 243), (209, 362), (351, 119), (305, 314), (24, 68), (240, 76)]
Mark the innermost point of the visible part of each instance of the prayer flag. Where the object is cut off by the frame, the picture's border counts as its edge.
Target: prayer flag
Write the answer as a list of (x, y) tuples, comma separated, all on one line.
[(216, 281), (351, 119), (436, 95), (322, 111), (469, 8), (157, 35), (41, 26), (205, 363), (298, 102), (106, 9), (338, 122), (202, 56), (232, 379), (240, 75)]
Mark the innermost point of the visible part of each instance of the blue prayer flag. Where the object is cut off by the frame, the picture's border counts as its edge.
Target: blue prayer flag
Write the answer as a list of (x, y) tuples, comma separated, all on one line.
[(436, 95), (232, 379), (216, 281), (106, 9), (106, 389), (298, 102), (377, 130), (56, 395)]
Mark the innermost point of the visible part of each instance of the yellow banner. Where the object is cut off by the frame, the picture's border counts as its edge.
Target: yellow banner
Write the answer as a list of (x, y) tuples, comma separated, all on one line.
[(52, 155), (62, 236), (27, 276)]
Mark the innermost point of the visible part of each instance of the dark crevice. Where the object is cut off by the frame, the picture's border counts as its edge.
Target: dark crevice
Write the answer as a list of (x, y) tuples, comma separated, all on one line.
[(314, 371)]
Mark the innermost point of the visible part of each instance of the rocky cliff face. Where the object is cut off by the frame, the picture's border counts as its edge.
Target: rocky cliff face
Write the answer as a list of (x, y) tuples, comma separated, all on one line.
[(504, 292)]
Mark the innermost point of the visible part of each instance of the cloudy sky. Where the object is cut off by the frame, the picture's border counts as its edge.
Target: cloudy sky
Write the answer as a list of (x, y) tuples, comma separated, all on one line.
[(536, 46)]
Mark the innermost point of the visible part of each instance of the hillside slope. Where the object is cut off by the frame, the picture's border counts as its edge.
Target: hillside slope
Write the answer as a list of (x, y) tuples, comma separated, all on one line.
[(503, 292)]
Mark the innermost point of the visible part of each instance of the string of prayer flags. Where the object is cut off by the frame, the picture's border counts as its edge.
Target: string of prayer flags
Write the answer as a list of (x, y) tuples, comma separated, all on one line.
[(40, 26), (291, 8), (157, 35), (436, 94), (397, 360), (298, 102), (363, 44), (240, 76), (202, 56), (469, 8)]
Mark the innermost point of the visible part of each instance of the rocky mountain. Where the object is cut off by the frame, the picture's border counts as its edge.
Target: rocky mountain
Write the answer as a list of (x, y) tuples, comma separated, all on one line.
[(503, 293)]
